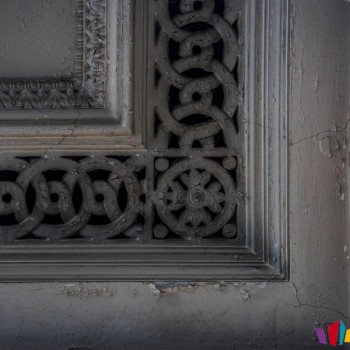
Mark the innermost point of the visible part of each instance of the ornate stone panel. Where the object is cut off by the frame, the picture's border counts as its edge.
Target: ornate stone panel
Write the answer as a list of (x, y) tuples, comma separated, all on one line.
[(98, 98), (200, 194), (59, 198), (199, 49), (83, 90)]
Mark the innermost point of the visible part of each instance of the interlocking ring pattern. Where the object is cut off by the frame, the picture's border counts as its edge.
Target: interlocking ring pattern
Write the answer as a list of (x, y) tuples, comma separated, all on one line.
[(102, 198), (99, 198), (188, 186), (198, 52)]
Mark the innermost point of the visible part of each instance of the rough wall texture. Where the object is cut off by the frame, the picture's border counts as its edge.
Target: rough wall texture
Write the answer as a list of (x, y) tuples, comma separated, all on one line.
[(239, 315), (20, 54)]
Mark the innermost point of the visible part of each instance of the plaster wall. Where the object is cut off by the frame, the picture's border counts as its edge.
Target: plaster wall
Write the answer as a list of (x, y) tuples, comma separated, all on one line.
[(27, 43), (264, 315)]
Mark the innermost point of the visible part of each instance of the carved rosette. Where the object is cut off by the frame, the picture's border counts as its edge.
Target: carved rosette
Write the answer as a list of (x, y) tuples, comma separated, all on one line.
[(198, 92), (195, 198), (197, 110)]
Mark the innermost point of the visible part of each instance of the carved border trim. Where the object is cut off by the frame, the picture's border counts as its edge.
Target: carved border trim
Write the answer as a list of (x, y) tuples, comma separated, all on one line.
[(263, 255), (87, 88)]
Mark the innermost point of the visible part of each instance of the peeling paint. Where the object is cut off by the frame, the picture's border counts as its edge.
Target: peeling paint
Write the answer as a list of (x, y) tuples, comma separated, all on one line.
[(83, 290), (328, 145), (244, 294), (185, 287)]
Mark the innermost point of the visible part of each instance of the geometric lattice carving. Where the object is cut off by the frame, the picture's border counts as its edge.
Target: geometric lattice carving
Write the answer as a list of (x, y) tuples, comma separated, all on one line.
[(198, 107), (99, 198), (198, 102), (86, 88), (199, 97), (59, 197)]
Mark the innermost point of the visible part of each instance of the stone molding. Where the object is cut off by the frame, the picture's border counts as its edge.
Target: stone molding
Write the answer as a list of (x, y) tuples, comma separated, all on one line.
[(203, 196)]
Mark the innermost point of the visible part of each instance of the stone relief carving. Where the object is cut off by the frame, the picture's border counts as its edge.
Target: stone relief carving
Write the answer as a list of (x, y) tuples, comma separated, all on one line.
[(196, 197), (58, 197), (84, 90), (100, 198), (199, 95), (197, 109), (196, 188)]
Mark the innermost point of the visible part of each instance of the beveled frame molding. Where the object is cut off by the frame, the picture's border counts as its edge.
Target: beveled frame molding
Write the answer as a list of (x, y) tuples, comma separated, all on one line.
[(86, 88), (261, 251), (93, 107)]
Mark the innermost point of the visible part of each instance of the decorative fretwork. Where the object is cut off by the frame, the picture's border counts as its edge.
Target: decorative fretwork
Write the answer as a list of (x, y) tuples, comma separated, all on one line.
[(84, 90), (196, 197), (192, 188), (198, 108), (180, 176), (99, 198), (60, 197), (199, 95)]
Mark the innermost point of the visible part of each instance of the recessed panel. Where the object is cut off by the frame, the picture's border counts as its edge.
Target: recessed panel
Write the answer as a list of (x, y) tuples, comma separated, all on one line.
[(37, 38), (67, 74)]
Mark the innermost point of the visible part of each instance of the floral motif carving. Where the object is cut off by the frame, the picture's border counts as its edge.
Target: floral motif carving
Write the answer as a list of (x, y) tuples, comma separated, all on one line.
[(196, 197), (191, 187), (205, 194), (198, 107)]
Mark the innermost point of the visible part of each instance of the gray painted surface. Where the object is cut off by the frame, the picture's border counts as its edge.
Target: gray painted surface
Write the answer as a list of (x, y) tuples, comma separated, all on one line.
[(26, 47), (240, 315)]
